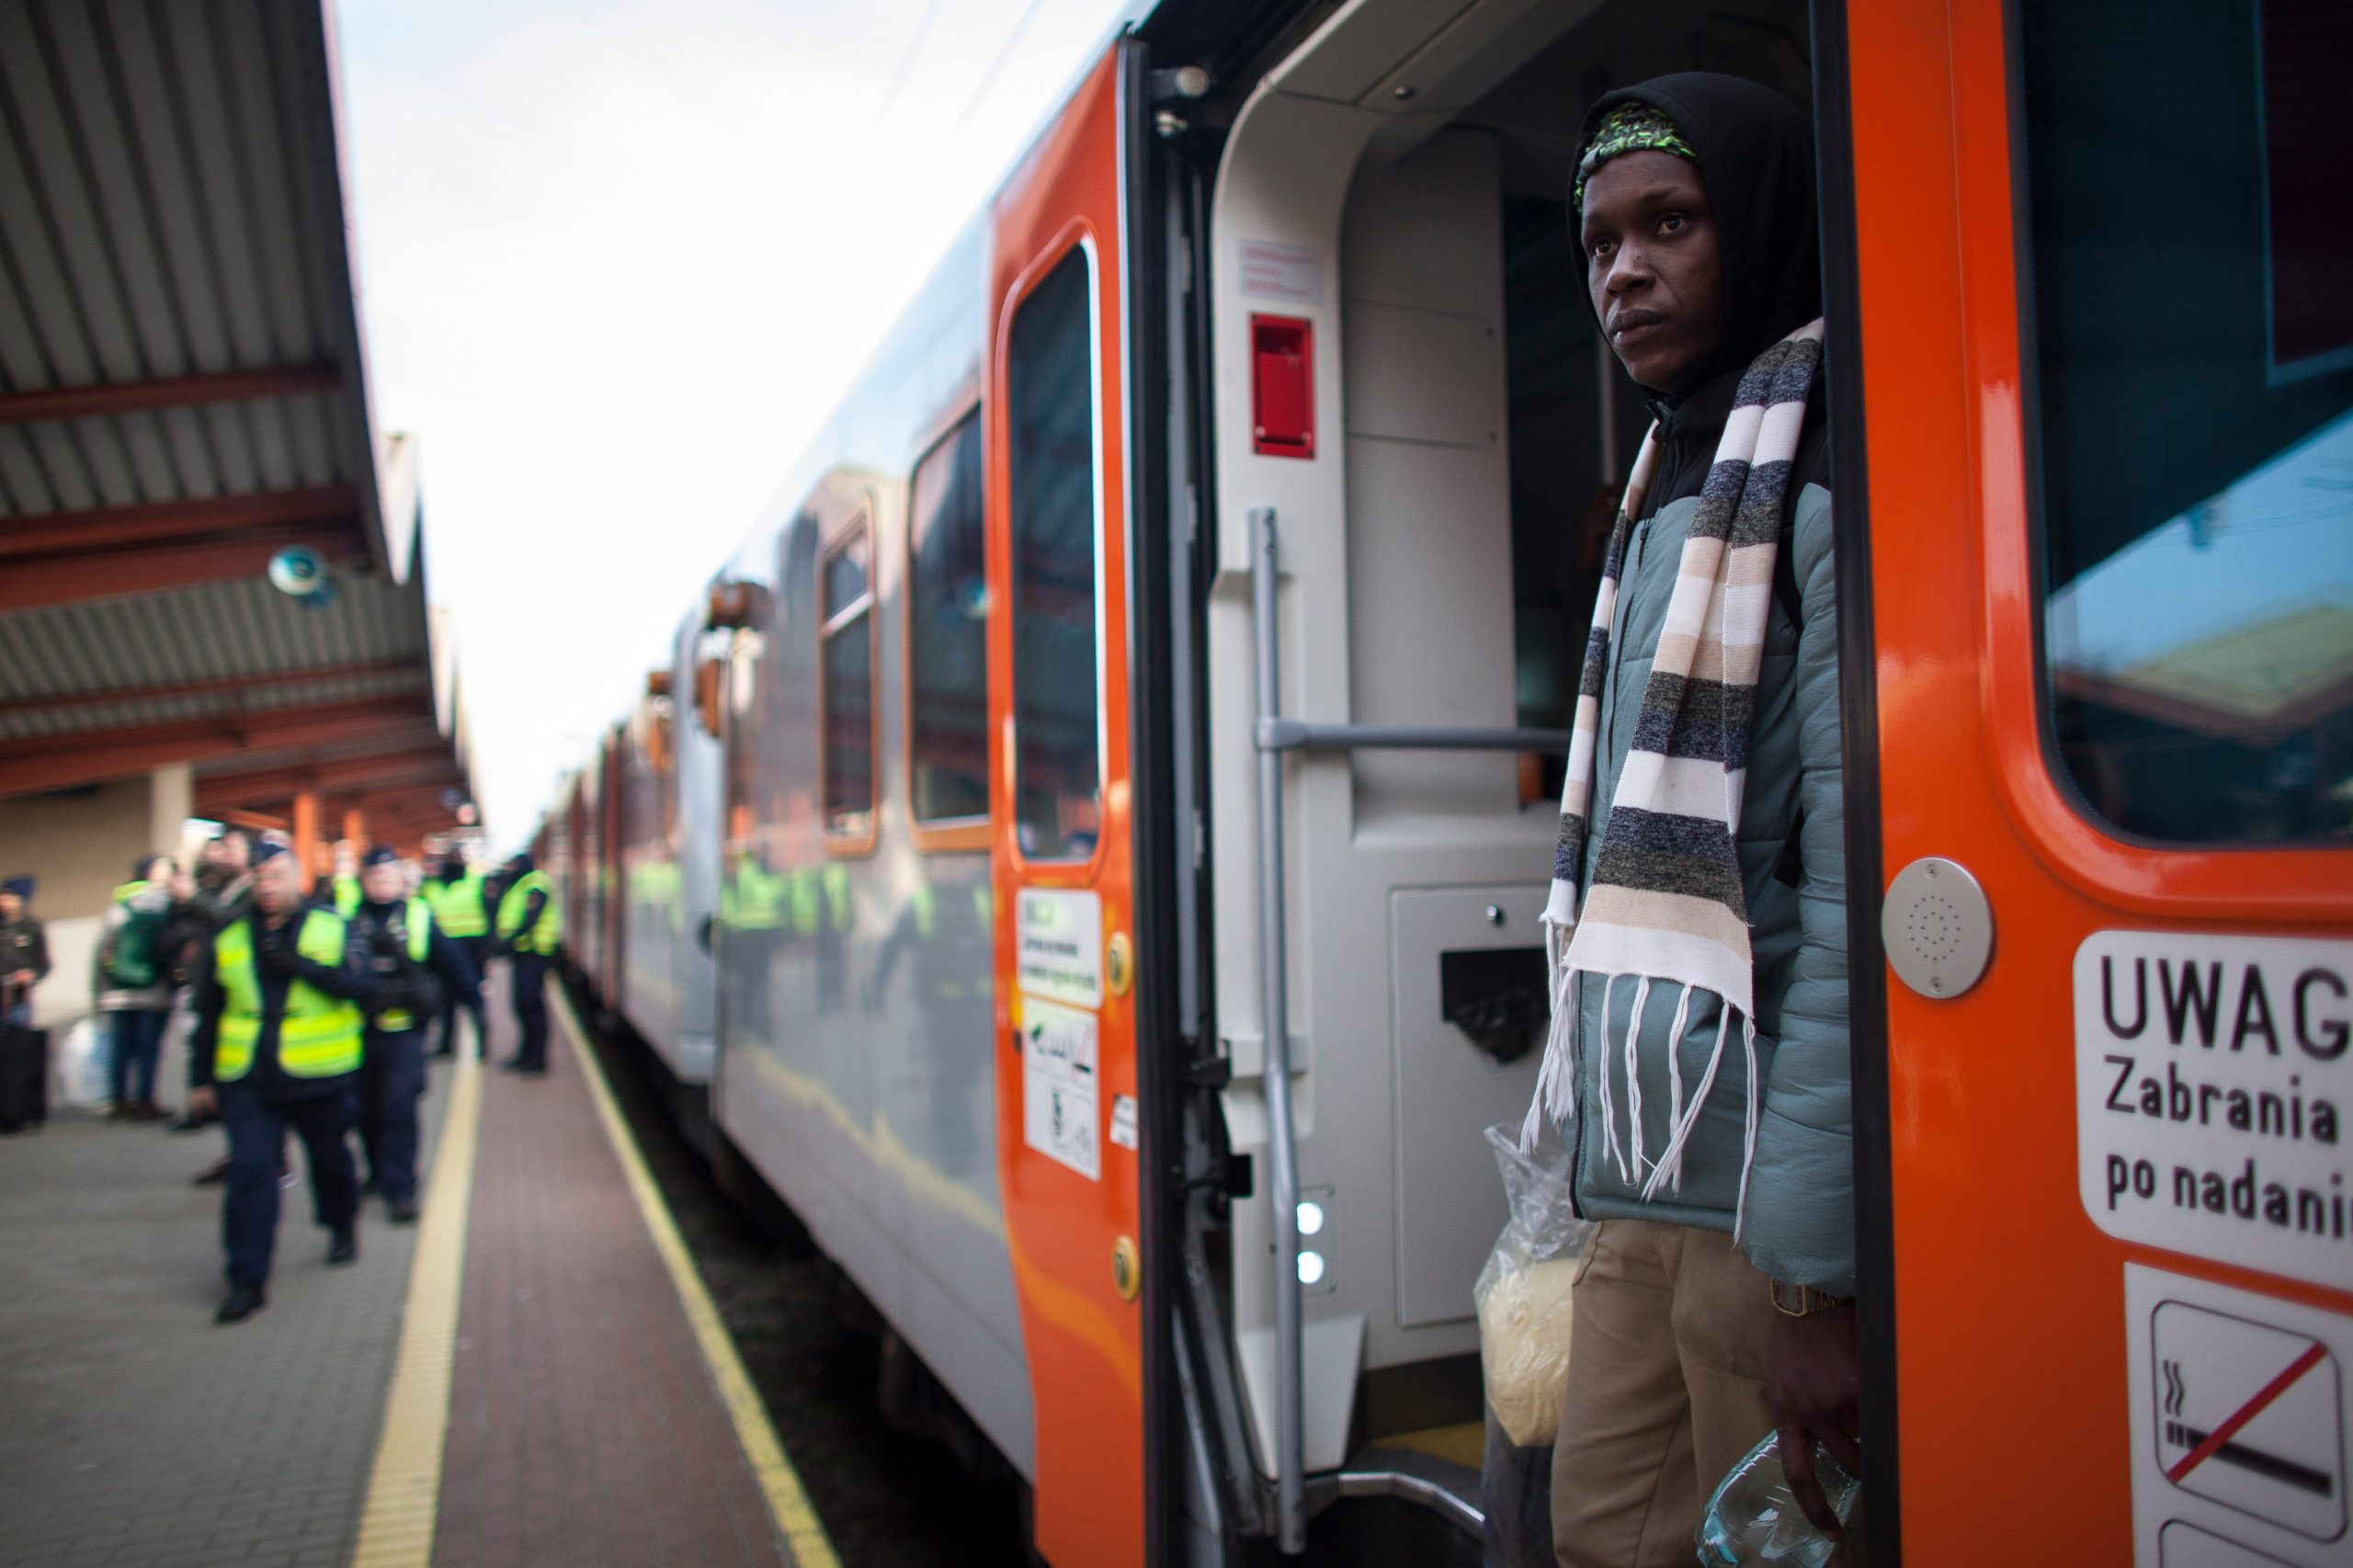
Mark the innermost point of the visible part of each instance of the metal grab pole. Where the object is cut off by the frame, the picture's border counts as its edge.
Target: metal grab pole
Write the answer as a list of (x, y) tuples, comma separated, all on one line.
[(1292, 735), (1282, 1153)]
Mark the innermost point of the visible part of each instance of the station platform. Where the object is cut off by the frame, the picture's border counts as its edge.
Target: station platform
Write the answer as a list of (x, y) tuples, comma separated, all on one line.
[(531, 1375)]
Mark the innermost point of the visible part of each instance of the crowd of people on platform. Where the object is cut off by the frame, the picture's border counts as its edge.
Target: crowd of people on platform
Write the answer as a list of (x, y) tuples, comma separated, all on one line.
[(312, 1005)]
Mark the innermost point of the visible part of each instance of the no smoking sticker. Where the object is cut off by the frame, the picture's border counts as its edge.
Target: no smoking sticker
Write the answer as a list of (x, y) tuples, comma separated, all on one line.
[(2239, 1425)]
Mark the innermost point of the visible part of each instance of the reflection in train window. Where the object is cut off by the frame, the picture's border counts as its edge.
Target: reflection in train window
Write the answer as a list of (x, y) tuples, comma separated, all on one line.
[(947, 630), (846, 678), (2196, 431), (1049, 418)]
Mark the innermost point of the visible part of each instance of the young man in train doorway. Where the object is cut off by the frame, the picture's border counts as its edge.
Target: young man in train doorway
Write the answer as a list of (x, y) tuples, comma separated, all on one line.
[(1698, 1062)]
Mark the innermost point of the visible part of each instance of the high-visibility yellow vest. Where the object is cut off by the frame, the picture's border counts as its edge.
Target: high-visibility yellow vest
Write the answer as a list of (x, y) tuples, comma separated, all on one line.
[(129, 890), (752, 898), (416, 925), (806, 901), (347, 896), (318, 1037), (458, 906), (542, 936)]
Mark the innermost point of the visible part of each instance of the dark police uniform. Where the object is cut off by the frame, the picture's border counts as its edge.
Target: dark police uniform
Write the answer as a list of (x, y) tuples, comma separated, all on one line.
[(414, 966), (529, 925), (278, 1018)]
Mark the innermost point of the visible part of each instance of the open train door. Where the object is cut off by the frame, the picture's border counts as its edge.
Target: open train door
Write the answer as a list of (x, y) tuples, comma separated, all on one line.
[(2105, 342), (1062, 851)]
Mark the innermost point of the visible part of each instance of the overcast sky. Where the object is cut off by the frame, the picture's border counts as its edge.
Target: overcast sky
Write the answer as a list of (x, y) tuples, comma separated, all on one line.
[(617, 259)]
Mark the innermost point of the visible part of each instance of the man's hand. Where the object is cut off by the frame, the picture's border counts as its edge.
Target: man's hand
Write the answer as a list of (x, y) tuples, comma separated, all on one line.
[(274, 952), (1812, 1379), (22, 977), (202, 1101)]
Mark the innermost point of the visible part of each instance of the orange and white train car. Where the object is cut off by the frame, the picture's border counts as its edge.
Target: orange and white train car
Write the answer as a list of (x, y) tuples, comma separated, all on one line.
[(1265, 388)]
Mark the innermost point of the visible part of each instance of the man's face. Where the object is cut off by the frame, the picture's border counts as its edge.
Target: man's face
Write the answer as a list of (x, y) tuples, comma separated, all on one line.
[(277, 884), (1655, 265), (385, 883), (11, 906), (236, 854)]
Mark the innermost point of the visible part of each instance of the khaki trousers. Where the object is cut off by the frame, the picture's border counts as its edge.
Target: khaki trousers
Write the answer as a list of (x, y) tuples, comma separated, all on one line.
[(1665, 1393)]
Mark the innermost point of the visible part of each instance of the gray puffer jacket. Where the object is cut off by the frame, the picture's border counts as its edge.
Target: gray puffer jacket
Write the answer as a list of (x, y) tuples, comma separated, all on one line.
[(1800, 1219)]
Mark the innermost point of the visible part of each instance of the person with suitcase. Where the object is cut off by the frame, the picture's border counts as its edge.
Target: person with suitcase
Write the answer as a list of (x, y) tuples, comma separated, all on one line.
[(24, 1050), (24, 951)]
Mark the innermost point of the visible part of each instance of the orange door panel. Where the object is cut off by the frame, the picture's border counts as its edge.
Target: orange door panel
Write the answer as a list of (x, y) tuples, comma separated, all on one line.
[(2079, 1226), (1061, 843)]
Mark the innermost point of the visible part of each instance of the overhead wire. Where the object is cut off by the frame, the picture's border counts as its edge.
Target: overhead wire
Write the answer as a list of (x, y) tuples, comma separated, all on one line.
[(1004, 53), (905, 68)]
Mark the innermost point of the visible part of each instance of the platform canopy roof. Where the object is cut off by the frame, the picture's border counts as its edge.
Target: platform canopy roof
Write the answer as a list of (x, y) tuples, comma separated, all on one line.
[(183, 394)]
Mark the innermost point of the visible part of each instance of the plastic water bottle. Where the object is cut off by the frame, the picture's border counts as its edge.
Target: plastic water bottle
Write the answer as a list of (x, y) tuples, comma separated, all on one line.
[(1753, 1517)]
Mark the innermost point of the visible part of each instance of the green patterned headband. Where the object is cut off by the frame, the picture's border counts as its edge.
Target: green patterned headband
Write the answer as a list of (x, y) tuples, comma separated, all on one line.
[(1630, 127)]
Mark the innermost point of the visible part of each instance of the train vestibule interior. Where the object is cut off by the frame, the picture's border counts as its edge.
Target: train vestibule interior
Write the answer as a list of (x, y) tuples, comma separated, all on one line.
[(1398, 187)]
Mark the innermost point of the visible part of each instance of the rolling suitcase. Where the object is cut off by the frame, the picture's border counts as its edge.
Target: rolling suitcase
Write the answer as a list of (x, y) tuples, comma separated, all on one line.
[(24, 1077)]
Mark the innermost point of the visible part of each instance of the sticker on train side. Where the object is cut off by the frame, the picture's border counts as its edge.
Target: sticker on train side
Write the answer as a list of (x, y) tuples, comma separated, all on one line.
[(2212, 1086), (1062, 1093), (1058, 944), (2237, 1422)]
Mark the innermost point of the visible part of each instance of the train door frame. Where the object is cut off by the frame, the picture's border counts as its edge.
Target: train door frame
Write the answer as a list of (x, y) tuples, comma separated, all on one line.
[(1194, 1448), (1834, 143), (1080, 1306)]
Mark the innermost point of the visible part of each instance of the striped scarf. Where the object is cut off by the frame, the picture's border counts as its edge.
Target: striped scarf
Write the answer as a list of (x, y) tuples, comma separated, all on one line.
[(1666, 902)]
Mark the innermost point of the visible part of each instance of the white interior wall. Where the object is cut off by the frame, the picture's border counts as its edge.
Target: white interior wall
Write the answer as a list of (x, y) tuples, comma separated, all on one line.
[(1386, 615)]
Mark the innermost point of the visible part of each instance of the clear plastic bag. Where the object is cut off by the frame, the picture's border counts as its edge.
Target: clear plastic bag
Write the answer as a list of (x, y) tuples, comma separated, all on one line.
[(1522, 1293), (1522, 1296)]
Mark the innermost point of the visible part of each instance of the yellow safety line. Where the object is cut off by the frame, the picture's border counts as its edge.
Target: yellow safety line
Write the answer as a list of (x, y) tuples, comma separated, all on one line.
[(404, 1493), (788, 1500)]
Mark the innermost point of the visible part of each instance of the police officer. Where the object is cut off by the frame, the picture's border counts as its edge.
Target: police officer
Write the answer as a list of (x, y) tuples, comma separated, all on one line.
[(337, 886), (529, 925), (416, 966), (461, 902), (280, 1007)]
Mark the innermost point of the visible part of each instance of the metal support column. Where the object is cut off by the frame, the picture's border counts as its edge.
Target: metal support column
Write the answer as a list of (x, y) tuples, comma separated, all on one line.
[(1282, 1139)]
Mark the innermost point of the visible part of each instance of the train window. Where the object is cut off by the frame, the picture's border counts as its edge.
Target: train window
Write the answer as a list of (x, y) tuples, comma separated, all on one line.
[(2190, 273), (947, 632), (1050, 416), (845, 683)]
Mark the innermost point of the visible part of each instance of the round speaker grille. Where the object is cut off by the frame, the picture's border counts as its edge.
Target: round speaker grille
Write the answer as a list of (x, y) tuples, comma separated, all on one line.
[(1938, 928)]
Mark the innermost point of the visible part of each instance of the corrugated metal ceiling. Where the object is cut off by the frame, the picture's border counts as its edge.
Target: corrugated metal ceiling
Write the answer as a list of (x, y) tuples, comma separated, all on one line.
[(178, 327), (161, 216)]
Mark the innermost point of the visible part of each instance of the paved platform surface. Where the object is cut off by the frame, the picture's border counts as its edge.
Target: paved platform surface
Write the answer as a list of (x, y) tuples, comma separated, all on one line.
[(134, 1432), (585, 1429)]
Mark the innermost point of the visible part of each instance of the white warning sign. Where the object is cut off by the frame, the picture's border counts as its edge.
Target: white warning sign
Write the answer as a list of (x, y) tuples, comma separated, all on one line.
[(1271, 270), (2212, 1083), (1058, 944), (2239, 1425), (1062, 1093)]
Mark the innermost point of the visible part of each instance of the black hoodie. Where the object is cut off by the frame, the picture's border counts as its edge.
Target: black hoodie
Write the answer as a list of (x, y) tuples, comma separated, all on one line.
[(1754, 149)]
